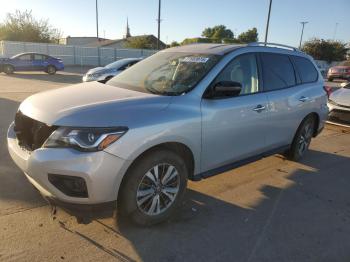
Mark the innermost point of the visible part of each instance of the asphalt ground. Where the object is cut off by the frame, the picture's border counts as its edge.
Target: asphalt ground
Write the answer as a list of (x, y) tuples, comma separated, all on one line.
[(269, 210)]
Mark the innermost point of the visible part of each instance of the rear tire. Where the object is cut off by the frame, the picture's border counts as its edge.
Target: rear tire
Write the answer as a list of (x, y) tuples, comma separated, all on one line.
[(147, 200), (8, 69), (302, 139), (51, 70)]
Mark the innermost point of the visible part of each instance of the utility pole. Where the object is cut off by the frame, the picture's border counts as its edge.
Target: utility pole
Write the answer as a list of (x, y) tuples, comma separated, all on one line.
[(302, 32), (268, 22), (335, 31), (98, 38), (158, 42)]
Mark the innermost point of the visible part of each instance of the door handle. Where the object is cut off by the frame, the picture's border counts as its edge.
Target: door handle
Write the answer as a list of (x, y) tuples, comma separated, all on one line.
[(259, 108), (304, 99)]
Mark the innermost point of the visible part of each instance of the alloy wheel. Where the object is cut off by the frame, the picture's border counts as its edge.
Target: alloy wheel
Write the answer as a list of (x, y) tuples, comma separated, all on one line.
[(158, 189), (305, 138)]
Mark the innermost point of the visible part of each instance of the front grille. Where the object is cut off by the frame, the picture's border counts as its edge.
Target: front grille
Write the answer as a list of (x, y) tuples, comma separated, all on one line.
[(340, 116), (343, 106), (30, 133)]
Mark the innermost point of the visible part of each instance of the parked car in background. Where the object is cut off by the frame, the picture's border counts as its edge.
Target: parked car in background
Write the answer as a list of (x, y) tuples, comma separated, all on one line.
[(31, 62), (188, 112), (103, 74), (341, 71), (322, 70), (339, 104)]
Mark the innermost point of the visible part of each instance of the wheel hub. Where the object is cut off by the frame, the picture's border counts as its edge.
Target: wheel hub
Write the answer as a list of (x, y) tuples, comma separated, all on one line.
[(158, 189)]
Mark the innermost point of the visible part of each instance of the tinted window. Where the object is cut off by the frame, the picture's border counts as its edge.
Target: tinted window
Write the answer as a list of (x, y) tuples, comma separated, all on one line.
[(306, 69), (243, 70), (25, 57), (278, 71), (39, 57), (127, 65)]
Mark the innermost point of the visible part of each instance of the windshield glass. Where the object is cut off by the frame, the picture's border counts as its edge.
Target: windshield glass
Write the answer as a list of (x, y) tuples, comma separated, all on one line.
[(166, 73), (117, 64)]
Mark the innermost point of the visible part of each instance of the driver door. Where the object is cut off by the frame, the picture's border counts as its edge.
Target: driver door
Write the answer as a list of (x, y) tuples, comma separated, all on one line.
[(234, 128)]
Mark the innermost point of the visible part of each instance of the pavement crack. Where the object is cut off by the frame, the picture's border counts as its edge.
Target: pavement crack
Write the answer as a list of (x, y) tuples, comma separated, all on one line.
[(115, 253)]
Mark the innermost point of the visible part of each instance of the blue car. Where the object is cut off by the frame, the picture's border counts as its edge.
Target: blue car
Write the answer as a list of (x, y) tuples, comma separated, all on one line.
[(31, 62)]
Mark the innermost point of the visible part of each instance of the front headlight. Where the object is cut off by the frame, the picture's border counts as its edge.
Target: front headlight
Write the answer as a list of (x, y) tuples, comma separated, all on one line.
[(94, 76), (332, 102), (84, 139)]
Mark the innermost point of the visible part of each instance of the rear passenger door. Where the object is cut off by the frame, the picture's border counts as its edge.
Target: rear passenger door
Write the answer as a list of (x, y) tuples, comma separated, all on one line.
[(288, 100), (39, 62)]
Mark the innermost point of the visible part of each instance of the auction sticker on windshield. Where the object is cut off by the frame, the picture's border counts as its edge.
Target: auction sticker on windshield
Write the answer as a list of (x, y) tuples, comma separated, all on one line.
[(194, 59)]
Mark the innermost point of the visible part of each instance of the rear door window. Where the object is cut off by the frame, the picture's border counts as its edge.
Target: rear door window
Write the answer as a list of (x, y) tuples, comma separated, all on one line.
[(306, 69), (38, 57), (278, 71)]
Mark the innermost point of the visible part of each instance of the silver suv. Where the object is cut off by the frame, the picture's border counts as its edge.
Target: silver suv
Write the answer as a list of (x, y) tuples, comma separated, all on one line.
[(188, 112)]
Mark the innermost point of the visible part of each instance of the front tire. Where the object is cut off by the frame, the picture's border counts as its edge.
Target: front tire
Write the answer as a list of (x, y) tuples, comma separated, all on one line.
[(302, 139), (8, 69), (153, 187), (51, 70)]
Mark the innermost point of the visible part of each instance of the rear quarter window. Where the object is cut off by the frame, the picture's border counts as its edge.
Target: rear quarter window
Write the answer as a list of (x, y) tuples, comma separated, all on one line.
[(277, 70), (306, 69)]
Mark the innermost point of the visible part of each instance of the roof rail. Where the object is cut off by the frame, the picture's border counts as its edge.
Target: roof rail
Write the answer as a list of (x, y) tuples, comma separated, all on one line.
[(274, 45)]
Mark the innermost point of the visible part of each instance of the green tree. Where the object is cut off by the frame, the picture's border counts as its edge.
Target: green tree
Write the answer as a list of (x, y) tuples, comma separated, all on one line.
[(22, 26), (141, 42), (327, 50), (218, 33), (196, 40), (249, 36), (174, 43)]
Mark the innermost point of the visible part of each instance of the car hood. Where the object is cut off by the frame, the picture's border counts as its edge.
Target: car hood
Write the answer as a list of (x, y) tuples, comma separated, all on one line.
[(92, 105), (341, 96)]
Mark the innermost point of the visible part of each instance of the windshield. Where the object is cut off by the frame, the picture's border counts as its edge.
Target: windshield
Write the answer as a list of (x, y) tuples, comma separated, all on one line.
[(117, 64), (166, 73), (15, 56)]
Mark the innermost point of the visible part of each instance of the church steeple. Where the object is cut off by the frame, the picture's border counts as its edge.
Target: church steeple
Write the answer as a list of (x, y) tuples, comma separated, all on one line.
[(127, 31)]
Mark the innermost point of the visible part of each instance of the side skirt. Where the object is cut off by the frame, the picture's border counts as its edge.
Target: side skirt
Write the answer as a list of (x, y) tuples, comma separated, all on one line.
[(239, 163)]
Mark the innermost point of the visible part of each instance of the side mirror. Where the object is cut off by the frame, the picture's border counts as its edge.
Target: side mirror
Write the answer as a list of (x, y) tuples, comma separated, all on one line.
[(226, 89)]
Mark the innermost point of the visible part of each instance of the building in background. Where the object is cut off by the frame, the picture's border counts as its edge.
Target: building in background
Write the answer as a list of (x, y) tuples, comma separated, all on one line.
[(151, 41), (79, 40)]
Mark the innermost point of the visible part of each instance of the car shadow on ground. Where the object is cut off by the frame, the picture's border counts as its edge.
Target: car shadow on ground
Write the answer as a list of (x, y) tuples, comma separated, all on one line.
[(305, 220), (59, 77)]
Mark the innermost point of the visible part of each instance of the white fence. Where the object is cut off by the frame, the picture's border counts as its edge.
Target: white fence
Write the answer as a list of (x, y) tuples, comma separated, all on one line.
[(73, 55)]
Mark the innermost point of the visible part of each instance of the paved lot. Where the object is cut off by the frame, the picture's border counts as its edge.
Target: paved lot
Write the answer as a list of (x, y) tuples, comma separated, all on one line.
[(270, 210)]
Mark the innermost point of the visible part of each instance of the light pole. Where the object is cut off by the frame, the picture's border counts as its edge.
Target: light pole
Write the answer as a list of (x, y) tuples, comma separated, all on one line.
[(158, 20), (268, 22), (302, 32), (98, 38), (335, 31)]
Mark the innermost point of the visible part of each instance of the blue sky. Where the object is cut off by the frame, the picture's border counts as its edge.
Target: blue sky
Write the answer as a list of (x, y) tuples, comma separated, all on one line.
[(188, 18)]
